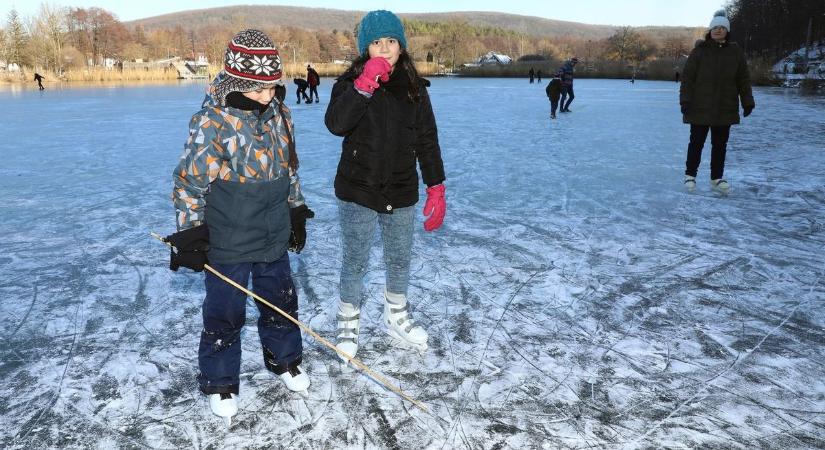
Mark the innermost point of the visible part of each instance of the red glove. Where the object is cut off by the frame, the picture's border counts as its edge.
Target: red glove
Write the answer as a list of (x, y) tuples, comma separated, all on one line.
[(375, 69), (435, 207)]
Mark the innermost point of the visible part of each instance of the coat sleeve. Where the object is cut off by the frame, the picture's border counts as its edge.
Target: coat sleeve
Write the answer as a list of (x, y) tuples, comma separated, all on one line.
[(286, 132), (689, 77), (427, 149), (296, 196), (743, 82), (198, 166), (346, 108)]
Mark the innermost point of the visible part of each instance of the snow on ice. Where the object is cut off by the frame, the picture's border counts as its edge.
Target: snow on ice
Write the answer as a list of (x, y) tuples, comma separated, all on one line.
[(576, 297)]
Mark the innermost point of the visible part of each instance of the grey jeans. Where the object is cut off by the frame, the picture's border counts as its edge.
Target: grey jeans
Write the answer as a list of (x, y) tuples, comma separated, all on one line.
[(358, 225)]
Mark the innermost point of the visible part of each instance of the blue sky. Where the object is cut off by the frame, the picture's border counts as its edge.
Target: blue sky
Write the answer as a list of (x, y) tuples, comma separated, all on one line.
[(607, 12)]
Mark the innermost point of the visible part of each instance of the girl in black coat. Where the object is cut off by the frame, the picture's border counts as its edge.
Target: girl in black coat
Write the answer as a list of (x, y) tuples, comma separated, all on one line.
[(381, 108)]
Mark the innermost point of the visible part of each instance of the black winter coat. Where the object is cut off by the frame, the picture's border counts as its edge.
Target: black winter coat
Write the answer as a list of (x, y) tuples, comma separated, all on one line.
[(714, 80), (384, 136)]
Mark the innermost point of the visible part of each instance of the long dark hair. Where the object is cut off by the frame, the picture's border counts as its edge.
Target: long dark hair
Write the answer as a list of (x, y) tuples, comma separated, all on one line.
[(727, 37), (404, 61)]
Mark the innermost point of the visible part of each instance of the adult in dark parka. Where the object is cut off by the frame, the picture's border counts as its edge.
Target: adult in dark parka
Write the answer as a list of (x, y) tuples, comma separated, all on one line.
[(715, 80)]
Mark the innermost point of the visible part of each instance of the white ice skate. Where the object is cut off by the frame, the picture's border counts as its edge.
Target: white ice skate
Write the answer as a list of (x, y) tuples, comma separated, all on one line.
[(348, 328), (690, 183), (400, 325), (720, 185), (296, 380), (224, 406)]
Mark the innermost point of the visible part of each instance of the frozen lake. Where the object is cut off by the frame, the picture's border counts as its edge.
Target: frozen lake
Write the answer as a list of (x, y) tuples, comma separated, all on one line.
[(576, 297)]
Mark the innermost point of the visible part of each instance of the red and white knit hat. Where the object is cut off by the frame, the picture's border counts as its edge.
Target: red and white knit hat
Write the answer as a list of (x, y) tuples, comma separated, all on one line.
[(251, 62)]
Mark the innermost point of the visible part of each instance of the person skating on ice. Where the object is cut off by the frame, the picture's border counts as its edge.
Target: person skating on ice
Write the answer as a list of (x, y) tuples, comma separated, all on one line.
[(301, 90), (715, 80), (313, 80), (39, 78), (239, 208), (382, 109), (567, 83), (553, 91)]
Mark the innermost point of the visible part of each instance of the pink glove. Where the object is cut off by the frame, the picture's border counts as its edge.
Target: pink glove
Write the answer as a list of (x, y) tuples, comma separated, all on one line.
[(435, 207), (375, 69)]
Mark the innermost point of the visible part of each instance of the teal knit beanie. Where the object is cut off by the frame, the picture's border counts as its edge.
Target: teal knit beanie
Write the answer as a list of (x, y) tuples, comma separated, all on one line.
[(380, 24)]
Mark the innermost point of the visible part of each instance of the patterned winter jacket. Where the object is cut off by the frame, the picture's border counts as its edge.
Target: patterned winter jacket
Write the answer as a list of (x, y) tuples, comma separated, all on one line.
[(567, 73), (232, 145)]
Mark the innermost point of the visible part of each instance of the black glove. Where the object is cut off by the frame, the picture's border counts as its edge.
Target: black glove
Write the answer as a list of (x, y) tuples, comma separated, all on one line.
[(747, 110), (298, 218), (191, 245), (685, 107)]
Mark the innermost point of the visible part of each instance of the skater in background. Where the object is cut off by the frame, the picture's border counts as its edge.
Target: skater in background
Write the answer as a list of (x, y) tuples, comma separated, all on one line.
[(676, 77), (380, 106), (239, 208), (567, 83), (531, 74), (301, 90), (714, 82), (553, 91), (313, 80), (538, 76), (39, 78)]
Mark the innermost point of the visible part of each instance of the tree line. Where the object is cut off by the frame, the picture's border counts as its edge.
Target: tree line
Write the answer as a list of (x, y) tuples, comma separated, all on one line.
[(774, 28), (60, 39)]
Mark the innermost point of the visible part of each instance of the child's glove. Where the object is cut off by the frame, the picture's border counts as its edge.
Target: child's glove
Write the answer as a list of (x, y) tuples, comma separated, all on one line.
[(375, 69), (190, 249), (298, 218), (435, 207), (747, 110)]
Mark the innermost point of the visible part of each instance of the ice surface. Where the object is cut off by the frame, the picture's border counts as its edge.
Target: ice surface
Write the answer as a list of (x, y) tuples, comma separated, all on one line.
[(576, 297)]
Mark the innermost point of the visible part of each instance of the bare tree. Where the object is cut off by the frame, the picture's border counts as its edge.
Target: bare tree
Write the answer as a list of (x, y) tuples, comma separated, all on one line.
[(50, 27)]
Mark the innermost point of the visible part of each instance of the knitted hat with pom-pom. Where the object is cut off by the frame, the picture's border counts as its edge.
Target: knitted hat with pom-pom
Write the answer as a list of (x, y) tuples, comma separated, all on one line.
[(251, 62), (720, 19), (380, 24)]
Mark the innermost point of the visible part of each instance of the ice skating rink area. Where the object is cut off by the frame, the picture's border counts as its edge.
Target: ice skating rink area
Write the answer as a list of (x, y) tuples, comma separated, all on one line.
[(576, 296)]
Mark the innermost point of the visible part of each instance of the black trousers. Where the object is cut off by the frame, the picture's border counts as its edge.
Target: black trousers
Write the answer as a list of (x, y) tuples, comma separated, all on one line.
[(302, 92), (313, 90), (719, 146)]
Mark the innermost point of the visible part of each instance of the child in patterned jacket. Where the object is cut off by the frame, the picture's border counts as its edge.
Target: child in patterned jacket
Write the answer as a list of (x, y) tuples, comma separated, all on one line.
[(239, 208)]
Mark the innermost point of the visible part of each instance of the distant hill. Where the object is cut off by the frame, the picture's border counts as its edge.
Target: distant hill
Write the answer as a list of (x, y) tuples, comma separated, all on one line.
[(328, 19)]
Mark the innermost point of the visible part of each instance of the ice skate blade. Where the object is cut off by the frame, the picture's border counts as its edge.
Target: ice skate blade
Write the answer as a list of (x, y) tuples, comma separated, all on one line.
[(227, 421), (346, 367), (403, 343), (304, 394)]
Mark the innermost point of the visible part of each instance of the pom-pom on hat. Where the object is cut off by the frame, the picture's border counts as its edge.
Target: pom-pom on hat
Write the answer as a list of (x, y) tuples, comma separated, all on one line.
[(251, 62), (380, 24), (720, 19)]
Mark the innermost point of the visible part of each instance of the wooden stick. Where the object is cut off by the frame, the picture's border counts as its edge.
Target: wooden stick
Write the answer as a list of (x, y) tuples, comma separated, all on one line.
[(349, 358)]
